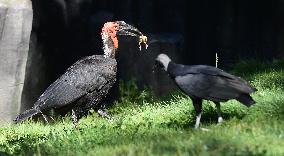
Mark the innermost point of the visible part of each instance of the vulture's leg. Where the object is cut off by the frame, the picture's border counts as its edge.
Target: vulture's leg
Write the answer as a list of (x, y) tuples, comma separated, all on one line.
[(197, 103), (220, 119)]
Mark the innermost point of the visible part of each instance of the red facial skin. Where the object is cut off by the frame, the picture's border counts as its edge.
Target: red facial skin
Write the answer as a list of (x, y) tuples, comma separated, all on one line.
[(111, 28)]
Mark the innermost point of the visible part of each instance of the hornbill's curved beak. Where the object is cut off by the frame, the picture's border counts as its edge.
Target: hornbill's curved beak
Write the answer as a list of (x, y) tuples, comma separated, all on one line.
[(129, 30)]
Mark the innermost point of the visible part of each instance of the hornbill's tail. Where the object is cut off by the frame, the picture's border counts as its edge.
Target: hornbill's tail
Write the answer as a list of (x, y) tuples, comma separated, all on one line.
[(26, 114)]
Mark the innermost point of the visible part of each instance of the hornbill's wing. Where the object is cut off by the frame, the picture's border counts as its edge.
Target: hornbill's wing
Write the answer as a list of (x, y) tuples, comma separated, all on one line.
[(85, 76), (212, 83)]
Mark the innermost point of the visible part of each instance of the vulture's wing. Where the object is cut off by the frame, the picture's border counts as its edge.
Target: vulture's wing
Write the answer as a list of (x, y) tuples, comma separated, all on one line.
[(211, 83)]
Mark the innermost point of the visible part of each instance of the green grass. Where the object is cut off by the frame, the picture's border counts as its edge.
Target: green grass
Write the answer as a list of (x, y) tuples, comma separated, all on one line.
[(142, 125)]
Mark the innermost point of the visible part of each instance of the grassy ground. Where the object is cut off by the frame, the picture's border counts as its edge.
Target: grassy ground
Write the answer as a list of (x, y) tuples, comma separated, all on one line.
[(143, 126)]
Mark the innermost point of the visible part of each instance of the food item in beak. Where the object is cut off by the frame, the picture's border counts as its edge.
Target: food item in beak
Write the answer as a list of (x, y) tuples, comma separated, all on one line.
[(143, 39)]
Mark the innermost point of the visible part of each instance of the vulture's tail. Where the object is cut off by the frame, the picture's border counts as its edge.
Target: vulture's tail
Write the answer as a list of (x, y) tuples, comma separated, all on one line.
[(246, 99), (26, 114)]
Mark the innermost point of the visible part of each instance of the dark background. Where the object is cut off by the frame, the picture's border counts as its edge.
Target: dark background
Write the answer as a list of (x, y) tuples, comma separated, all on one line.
[(190, 31)]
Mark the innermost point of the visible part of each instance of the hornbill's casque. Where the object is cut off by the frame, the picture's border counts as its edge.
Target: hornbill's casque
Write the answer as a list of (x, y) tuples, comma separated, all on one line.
[(86, 82), (207, 82)]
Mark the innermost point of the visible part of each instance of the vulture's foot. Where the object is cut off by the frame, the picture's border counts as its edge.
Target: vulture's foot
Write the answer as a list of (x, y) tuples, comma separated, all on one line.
[(205, 129), (197, 121), (220, 120)]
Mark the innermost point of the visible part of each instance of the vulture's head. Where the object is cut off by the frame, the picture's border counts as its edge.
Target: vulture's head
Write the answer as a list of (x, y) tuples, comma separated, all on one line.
[(162, 61), (111, 30)]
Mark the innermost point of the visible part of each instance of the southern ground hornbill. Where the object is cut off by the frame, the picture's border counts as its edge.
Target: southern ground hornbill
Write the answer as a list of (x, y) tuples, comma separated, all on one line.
[(207, 82), (84, 84)]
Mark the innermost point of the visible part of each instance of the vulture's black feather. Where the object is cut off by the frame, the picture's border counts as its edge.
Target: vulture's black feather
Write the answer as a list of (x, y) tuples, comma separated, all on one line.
[(206, 82)]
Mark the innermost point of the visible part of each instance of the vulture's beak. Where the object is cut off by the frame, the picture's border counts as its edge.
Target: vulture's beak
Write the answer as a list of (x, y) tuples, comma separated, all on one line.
[(129, 30)]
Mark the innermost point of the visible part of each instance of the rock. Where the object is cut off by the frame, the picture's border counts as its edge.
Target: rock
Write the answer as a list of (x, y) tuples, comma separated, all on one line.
[(15, 28)]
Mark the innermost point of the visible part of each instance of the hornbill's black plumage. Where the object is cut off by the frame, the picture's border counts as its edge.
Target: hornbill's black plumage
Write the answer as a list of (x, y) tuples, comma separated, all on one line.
[(86, 82), (207, 82)]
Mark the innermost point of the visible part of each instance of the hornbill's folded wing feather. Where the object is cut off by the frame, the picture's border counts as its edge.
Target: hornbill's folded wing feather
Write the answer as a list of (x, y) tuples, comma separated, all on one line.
[(85, 76)]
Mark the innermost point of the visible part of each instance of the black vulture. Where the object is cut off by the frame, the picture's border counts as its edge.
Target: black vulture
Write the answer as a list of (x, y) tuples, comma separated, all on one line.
[(86, 82), (207, 82)]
